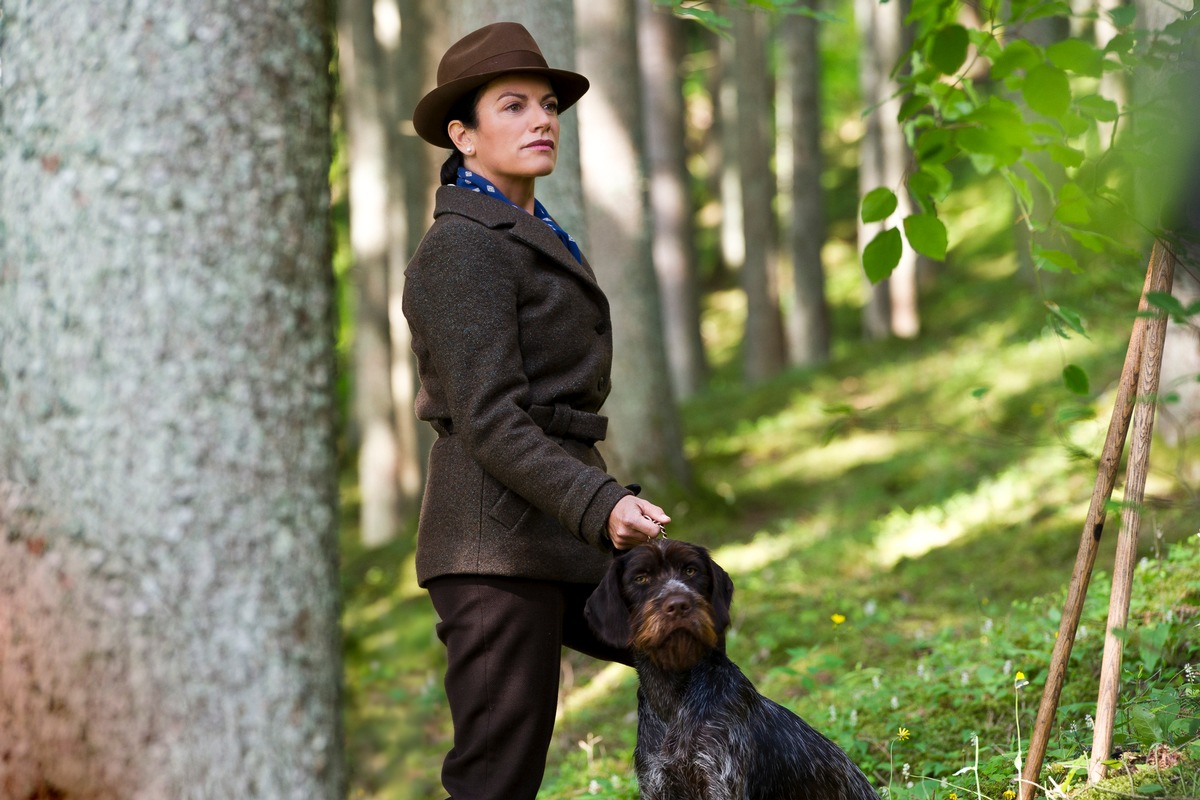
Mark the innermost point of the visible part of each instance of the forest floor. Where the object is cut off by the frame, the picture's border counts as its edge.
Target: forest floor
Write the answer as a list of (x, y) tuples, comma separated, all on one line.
[(900, 524)]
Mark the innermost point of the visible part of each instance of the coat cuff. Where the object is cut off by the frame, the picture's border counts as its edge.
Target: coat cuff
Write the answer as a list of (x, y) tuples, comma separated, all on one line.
[(594, 526)]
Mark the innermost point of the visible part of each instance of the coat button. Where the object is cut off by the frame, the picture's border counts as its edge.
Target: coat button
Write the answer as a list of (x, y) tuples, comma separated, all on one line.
[(602, 327), (602, 384)]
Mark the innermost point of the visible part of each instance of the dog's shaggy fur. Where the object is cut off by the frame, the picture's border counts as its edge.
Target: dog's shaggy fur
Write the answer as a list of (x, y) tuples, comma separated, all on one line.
[(704, 731)]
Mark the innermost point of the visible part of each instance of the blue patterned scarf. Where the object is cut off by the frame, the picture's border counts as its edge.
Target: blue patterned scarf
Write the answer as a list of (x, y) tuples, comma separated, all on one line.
[(477, 183)]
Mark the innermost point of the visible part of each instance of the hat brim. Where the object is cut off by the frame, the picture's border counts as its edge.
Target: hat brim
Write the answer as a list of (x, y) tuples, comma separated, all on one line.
[(429, 117)]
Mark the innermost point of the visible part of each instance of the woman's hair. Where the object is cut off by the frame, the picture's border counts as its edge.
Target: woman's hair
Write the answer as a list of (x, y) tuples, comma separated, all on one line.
[(465, 111)]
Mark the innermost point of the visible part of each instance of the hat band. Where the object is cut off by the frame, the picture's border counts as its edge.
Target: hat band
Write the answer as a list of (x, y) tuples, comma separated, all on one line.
[(514, 59)]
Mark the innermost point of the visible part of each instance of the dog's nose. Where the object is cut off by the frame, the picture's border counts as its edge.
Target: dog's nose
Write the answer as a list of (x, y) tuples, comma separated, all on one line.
[(677, 605)]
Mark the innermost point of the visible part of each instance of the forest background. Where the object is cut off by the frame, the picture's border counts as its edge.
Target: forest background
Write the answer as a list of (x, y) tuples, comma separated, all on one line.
[(884, 259)]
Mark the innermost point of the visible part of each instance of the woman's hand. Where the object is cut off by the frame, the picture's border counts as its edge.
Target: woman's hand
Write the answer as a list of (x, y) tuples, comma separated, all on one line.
[(634, 521)]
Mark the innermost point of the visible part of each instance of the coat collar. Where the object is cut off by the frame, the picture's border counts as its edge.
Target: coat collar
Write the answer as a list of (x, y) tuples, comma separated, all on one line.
[(498, 215)]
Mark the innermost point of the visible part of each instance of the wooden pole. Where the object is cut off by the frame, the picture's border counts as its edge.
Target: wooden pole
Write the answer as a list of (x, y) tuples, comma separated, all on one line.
[(1089, 541), (1135, 492)]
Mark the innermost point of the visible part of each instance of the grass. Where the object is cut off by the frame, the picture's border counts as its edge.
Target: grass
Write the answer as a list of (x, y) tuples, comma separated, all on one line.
[(930, 494)]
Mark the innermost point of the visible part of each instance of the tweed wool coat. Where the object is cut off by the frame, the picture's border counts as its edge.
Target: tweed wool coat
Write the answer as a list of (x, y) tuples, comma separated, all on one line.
[(513, 340)]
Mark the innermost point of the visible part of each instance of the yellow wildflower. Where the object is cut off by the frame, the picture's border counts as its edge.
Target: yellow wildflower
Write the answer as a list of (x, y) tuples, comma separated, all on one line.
[(903, 734), (838, 619)]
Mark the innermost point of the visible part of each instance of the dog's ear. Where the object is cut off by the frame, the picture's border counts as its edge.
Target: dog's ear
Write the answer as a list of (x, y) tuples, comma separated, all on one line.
[(722, 595), (605, 610)]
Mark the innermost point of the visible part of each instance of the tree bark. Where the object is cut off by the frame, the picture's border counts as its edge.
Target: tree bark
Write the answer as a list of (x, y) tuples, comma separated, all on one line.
[(799, 165), (411, 61), (891, 308), (660, 52), (364, 82), (763, 349), (168, 480), (645, 441)]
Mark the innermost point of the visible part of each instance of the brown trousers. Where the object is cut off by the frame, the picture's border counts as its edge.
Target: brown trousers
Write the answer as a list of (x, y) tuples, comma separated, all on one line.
[(504, 640)]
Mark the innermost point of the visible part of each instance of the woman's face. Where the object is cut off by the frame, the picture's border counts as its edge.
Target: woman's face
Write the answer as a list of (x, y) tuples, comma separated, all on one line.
[(517, 136)]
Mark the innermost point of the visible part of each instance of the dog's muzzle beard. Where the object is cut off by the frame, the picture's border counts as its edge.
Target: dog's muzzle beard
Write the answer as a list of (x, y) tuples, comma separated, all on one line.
[(675, 630)]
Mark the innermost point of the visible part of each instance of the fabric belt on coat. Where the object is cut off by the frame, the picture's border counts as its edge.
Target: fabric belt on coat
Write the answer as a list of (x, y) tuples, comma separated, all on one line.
[(559, 420)]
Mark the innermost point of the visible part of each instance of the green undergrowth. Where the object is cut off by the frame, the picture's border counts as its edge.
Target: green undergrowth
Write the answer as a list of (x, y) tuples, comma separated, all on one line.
[(900, 525)]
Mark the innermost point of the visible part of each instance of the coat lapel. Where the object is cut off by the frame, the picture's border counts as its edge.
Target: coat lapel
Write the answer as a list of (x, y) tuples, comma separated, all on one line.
[(522, 226)]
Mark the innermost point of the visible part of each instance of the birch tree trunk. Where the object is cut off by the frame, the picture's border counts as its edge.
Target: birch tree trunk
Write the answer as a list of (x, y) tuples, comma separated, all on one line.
[(891, 308), (660, 52), (798, 164), (645, 440), (168, 486), (763, 349)]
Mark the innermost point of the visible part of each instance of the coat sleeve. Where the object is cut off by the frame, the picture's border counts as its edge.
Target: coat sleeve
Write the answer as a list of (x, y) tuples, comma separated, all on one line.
[(462, 302)]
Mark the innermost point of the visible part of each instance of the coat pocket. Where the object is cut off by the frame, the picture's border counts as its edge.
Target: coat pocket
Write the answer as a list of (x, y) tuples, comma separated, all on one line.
[(510, 509)]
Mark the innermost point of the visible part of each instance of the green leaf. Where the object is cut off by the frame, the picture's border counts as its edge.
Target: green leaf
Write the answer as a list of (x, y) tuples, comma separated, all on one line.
[(911, 105), (1060, 316), (933, 180), (1123, 16), (1074, 124), (1004, 120), (1122, 43), (927, 235), (1075, 379), (949, 49), (1168, 303), (1047, 90), (1019, 54), (878, 204), (1098, 108), (1067, 156), (1021, 187), (935, 147), (1072, 414), (1055, 260), (987, 142), (1144, 726), (882, 254), (1072, 206), (1096, 242), (1076, 55), (709, 19)]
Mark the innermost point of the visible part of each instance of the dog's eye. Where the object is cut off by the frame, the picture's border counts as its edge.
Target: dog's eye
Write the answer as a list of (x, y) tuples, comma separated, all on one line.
[(642, 578), (689, 572)]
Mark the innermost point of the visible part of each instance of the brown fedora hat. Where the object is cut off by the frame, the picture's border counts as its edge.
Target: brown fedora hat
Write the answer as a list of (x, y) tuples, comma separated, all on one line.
[(478, 57)]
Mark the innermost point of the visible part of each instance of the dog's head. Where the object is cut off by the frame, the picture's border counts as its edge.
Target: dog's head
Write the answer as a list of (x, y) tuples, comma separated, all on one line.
[(666, 599)]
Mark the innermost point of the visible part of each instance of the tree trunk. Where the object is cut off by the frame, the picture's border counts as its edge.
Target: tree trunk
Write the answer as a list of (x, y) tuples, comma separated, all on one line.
[(660, 52), (413, 167), (763, 349), (799, 164), (645, 442), (728, 128), (168, 483), (891, 308), (364, 82)]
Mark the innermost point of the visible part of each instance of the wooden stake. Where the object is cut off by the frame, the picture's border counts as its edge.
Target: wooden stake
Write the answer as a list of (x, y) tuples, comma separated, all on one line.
[(1089, 541), (1135, 493)]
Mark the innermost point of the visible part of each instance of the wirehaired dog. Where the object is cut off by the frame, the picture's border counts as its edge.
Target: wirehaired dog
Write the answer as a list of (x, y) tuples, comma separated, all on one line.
[(704, 731)]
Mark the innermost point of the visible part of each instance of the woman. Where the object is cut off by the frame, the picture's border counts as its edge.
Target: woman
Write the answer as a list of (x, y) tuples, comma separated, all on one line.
[(514, 347)]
